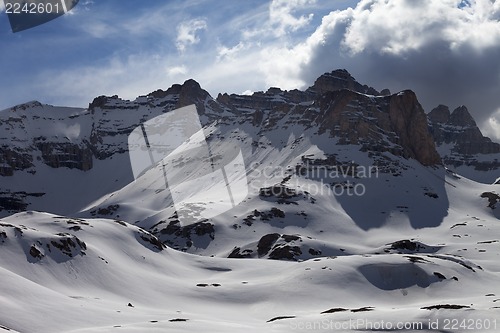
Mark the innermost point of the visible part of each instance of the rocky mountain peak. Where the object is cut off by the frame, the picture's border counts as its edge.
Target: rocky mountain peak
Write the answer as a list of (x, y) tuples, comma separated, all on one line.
[(191, 93), (459, 128), (28, 105), (461, 117), (440, 114), (337, 80), (189, 87), (191, 84)]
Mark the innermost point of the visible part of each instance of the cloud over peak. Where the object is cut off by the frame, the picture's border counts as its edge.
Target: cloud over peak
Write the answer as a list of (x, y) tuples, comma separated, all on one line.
[(187, 33), (401, 26), (445, 50)]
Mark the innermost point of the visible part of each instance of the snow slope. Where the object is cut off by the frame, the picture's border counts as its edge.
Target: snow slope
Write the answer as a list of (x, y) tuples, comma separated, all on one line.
[(361, 235), (88, 288)]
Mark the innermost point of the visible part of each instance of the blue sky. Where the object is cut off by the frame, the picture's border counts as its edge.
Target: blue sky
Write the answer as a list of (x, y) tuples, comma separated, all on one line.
[(445, 50), (134, 47)]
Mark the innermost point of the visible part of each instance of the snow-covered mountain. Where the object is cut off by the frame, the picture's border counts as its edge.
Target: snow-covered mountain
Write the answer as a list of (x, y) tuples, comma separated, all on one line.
[(345, 186)]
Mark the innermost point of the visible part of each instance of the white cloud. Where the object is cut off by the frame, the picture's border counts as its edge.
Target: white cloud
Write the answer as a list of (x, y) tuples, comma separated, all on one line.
[(491, 127), (282, 18), (282, 66), (177, 71), (187, 33), (227, 53), (401, 26)]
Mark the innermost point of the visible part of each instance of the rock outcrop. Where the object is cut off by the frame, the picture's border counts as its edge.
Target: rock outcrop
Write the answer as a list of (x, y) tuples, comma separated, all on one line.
[(340, 79), (12, 159), (69, 155)]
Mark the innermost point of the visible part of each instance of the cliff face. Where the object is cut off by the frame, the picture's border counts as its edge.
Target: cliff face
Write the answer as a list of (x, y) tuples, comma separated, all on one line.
[(395, 123), (410, 124)]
